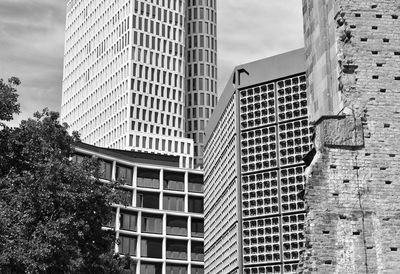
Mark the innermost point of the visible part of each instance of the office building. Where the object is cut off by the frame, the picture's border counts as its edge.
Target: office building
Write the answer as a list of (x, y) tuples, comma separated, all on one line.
[(201, 71), (125, 70), (159, 223), (254, 170), (352, 54)]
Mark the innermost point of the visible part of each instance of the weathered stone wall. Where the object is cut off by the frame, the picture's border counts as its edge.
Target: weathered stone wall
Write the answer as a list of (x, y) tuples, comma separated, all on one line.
[(353, 186)]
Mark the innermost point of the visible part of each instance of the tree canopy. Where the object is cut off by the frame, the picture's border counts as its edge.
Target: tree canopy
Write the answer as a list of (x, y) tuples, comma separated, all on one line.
[(51, 209), (9, 98)]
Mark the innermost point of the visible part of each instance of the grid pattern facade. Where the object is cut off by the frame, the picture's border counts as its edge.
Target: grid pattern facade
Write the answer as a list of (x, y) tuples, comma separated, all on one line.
[(275, 136), (124, 73), (201, 70), (220, 205), (160, 221)]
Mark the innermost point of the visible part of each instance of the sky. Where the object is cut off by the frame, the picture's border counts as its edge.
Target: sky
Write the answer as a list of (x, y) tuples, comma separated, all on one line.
[(32, 42)]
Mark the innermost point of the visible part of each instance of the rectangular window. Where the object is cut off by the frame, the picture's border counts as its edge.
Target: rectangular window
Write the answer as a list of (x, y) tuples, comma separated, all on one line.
[(148, 200), (128, 220), (124, 174), (172, 202), (176, 249), (127, 245), (176, 225), (197, 228), (152, 223), (149, 178), (151, 268), (174, 180), (196, 205), (151, 248), (105, 170), (197, 251), (176, 269)]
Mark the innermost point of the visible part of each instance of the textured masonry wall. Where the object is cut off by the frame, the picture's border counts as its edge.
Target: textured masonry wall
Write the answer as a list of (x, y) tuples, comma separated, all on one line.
[(353, 185)]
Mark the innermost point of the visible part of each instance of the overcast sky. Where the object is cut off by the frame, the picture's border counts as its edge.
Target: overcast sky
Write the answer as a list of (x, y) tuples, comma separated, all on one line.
[(32, 42)]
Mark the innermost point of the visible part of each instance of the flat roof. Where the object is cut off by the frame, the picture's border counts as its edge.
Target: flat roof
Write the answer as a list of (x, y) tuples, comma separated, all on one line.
[(133, 156), (260, 71)]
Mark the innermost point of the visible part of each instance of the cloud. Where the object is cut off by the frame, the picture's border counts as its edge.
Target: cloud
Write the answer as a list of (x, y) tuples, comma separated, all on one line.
[(32, 42), (253, 29)]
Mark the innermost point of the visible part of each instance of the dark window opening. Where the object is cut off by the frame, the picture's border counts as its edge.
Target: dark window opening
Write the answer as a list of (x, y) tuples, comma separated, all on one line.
[(176, 225), (196, 183), (128, 221), (174, 180), (148, 178), (196, 205), (176, 249), (152, 223), (151, 248), (148, 200), (197, 227)]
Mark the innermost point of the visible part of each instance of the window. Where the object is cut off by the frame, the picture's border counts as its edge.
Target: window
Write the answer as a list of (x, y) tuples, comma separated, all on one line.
[(196, 205), (197, 251), (176, 249), (124, 174), (151, 268), (148, 200), (152, 223), (127, 245), (176, 225), (196, 183), (151, 248), (197, 270), (172, 202), (197, 228), (105, 170), (149, 178), (176, 269), (128, 220), (174, 180)]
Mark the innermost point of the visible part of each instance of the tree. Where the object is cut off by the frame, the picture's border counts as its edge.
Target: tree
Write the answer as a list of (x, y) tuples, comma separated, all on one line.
[(51, 209), (9, 98)]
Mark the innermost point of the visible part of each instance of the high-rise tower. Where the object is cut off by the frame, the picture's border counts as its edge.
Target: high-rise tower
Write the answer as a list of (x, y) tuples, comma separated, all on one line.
[(124, 73), (201, 71)]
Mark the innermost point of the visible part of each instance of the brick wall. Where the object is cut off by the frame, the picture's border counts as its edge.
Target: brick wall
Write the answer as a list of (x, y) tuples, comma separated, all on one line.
[(353, 185)]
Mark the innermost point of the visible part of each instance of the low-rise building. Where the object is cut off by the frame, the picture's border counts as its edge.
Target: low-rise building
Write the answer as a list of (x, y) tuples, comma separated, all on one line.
[(160, 221)]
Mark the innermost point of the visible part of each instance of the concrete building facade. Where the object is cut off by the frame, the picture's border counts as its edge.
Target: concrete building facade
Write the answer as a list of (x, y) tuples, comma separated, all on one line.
[(125, 70), (160, 220), (352, 54), (254, 169)]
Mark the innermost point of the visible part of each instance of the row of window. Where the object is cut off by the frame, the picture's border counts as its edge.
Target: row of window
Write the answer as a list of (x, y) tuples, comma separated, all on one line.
[(151, 200), (153, 224), (199, 27), (157, 28), (158, 143), (207, 55), (152, 248), (161, 12), (155, 61), (204, 41)]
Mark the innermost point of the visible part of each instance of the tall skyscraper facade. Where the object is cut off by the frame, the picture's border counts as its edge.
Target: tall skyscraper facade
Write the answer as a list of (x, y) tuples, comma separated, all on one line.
[(254, 169), (201, 71), (125, 69)]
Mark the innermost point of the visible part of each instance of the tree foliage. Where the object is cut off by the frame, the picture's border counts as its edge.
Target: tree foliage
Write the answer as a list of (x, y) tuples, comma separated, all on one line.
[(51, 209), (9, 98)]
